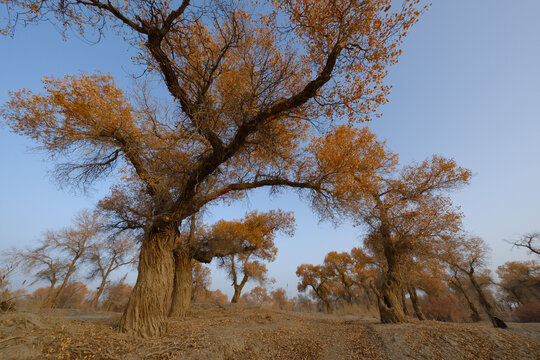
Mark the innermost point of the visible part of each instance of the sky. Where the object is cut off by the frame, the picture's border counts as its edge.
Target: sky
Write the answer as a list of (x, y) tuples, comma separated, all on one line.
[(467, 86)]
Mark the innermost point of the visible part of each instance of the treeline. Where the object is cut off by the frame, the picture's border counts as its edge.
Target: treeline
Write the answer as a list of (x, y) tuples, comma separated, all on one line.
[(456, 287)]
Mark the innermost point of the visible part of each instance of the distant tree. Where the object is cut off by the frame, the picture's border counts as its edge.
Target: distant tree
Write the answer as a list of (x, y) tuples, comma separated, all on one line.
[(520, 280), (280, 299), (458, 283), (247, 105), (106, 255), (530, 241), (117, 295), (257, 231), (407, 215), (257, 295), (201, 279), (44, 263), (74, 296), (340, 269), (73, 242), (318, 279), (468, 255)]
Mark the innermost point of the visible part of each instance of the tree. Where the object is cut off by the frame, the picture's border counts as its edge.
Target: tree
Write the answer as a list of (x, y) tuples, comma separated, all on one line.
[(201, 279), (246, 104), (73, 243), (257, 232), (469, 256), (117, 295), (530, 241), (44, 262), (520, 280), (317, 278), (106, 256), (258, 295), (407, 216), (457, 282)]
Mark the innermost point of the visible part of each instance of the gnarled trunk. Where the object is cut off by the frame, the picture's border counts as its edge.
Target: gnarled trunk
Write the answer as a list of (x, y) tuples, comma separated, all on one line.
[(416, 305), (498, 323), (389, 294), (150, 300), (183, 281)]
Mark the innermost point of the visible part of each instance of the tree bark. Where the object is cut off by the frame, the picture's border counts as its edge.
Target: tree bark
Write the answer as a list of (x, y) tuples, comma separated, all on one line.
[(403, 302), (150, 300), (416, 305), (498, 323), (238, 289), (183, 281)]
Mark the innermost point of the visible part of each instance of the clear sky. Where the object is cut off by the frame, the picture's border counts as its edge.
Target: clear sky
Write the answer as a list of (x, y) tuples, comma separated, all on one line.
[(467, 86)]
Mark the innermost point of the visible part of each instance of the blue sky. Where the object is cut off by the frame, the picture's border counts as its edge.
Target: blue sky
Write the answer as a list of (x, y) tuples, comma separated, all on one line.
[(467, 86)]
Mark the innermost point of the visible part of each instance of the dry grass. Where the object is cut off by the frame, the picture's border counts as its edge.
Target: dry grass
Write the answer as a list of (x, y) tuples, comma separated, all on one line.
[(239, 332)]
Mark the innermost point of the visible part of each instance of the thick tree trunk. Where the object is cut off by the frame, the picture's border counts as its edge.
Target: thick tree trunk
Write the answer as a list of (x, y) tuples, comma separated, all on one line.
[(389, 295), (404, 302), (183, 281), (498, 323), (150, 300), (416, 305)]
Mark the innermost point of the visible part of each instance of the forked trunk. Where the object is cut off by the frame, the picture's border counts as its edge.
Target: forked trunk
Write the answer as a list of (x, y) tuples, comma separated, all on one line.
[(150, 300), (416, 304), (183, 280), (498, 323)]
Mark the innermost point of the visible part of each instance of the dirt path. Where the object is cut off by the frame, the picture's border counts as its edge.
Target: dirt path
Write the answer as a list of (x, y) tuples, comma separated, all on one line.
[(236, 332)]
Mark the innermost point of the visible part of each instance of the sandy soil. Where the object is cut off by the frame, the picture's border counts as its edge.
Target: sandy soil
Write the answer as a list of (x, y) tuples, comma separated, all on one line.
[(236, 332)]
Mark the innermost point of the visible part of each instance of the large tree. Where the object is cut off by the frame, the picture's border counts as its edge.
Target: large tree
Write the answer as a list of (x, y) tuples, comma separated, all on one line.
[(254, 90), (407, 216)]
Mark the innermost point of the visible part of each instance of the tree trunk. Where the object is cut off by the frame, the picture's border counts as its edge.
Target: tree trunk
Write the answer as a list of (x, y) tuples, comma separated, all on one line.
[(70, 271), (475, 317), (404, 302), (183, 281), (150, 300), (416, 305), (498, 323), (389, 295), (95, 300)]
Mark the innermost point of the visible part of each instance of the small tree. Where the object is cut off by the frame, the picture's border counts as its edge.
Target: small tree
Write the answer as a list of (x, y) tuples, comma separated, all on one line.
[(107, 255), (469, 256), (319, 280), (257, 232), (73, 242), (201, 279), (44, 264)]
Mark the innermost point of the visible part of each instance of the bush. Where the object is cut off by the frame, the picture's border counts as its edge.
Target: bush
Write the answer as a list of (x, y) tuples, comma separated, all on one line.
[(445, 307), (529, 312)]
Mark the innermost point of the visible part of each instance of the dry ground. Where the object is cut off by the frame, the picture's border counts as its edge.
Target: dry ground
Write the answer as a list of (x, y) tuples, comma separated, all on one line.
[(236, 332)]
